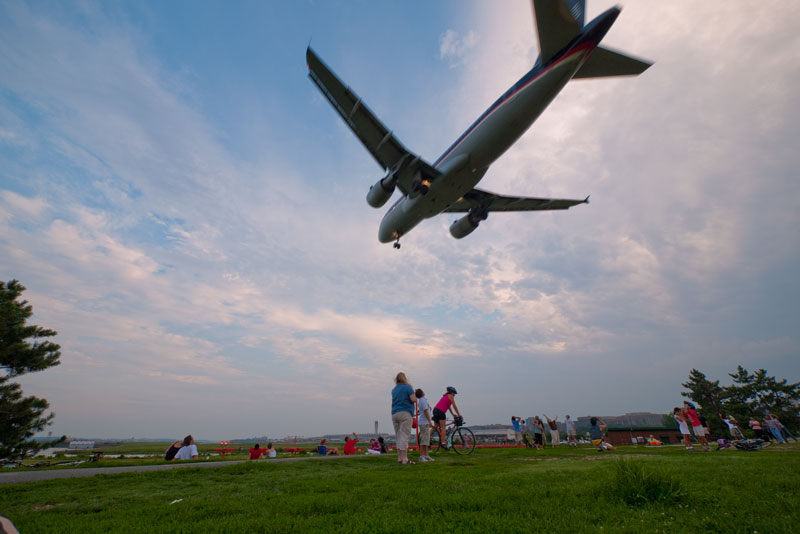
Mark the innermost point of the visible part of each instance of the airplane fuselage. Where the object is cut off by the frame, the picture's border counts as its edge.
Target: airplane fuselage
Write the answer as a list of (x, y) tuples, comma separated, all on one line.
[(495, 131)]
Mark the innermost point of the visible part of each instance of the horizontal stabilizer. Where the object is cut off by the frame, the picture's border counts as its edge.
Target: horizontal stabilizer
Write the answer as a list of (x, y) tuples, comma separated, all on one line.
[(606, 62)]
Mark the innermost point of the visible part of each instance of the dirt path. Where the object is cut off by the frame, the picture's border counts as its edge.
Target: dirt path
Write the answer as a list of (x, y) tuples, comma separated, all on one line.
[(18, 477)]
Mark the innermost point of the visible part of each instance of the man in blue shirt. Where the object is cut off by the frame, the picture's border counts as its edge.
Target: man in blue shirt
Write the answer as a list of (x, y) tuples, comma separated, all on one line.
[(517, 424)]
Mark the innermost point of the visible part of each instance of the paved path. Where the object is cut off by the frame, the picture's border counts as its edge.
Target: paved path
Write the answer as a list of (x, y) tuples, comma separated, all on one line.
[(16, 477)]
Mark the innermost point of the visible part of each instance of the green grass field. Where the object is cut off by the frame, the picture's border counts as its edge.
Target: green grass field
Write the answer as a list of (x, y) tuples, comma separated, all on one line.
[(511, 490)]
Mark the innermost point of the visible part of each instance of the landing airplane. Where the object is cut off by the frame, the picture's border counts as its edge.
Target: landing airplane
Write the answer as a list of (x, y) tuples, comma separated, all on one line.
[(568, 50)]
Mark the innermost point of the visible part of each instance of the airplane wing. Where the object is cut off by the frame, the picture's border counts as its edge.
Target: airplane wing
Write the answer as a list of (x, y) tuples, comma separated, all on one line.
[(557, 22), (485, 201), (390, 153)]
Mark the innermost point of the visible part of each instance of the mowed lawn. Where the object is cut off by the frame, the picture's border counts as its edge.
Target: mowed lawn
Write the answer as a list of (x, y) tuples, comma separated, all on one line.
[(510, 490)]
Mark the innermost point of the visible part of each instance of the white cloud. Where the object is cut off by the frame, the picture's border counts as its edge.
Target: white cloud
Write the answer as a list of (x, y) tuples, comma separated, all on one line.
[(454, 47), (160, 255)]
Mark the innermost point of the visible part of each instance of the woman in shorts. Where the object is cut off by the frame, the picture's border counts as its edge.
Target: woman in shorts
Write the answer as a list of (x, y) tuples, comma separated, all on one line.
[(447, 402)]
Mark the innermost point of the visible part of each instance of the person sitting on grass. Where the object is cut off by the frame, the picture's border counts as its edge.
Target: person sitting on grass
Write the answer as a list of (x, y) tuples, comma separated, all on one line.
[(256, 452), (350, 444), (374, 447), (596, 432), (188, 451), (271, 452), (172, 450), (324, 450), (382, 444)]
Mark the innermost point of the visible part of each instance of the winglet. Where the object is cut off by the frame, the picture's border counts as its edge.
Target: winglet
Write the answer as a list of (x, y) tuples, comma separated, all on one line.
[(586, 200)]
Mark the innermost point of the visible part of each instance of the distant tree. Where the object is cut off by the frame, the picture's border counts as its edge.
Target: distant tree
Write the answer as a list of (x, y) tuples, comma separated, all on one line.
[(759, 394), (21, 417)]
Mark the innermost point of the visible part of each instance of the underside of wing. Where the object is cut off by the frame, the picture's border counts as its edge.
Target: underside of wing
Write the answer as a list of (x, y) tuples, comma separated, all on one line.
[(486, 202), (375, 137), (557, 22), (407, 169)]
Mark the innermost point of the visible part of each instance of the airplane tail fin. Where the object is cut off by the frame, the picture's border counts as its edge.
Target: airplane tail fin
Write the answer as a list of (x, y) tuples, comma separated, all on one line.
[(606, 62), (557, 22)]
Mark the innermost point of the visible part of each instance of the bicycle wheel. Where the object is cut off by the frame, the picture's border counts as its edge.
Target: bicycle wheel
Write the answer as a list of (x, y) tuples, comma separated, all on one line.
[(463, 440)]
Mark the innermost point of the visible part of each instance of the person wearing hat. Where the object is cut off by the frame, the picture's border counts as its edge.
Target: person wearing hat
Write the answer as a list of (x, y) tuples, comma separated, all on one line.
[(447, 402)]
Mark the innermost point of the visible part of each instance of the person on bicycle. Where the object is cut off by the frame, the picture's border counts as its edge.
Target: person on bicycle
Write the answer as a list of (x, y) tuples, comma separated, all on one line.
[(447, 402)]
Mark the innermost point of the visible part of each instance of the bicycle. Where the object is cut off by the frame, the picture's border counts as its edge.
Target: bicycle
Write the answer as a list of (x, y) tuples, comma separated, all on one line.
[(457, 437)]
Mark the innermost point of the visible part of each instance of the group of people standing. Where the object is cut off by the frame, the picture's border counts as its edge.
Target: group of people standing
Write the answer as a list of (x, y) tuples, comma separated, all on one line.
[(404, 399), (537, 427), (771, 428)]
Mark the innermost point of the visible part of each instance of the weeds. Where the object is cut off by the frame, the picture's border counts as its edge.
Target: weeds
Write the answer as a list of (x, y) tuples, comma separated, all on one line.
[(637, 484)]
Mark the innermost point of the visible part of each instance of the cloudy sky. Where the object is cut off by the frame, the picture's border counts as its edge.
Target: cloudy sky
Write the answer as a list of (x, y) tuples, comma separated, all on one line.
[(188, 213)]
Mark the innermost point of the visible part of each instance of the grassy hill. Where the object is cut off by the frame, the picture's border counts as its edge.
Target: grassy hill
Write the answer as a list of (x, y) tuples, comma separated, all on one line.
[(502, 490)]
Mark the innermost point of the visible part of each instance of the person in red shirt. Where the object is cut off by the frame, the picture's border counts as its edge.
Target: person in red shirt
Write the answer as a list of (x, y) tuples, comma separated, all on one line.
[(256, 452), (350, 444), (697, 426)]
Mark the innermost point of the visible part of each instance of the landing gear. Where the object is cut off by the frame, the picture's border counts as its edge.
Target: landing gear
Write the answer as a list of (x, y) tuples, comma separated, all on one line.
[(397, 244)]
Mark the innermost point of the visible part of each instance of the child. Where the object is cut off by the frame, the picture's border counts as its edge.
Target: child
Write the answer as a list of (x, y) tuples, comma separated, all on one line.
[(425, 424), (447, 402), (678, 415)]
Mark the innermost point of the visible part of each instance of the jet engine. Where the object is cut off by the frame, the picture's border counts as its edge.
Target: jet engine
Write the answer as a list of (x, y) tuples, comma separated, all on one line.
[(467, 224), (382, 191)]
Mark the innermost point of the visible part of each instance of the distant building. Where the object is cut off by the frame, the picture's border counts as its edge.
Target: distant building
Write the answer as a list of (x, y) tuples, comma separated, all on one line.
[(81, 444), (637, 435)]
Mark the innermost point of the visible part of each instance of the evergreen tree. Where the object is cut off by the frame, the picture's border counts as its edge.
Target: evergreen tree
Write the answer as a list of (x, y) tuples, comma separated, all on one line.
[(21, 417), (759, 394)]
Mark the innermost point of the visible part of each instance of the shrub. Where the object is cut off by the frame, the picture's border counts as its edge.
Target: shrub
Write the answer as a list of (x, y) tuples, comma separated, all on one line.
[(637, 485)]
